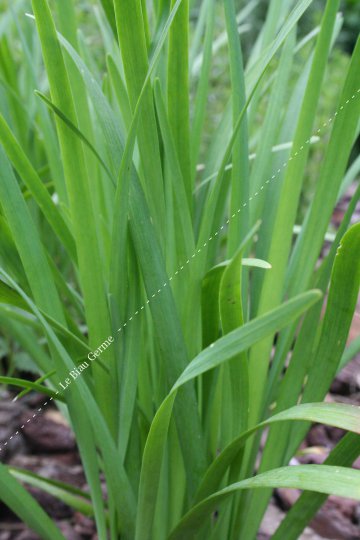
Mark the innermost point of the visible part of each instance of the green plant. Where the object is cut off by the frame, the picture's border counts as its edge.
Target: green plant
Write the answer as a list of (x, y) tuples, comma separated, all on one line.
[(201, 310)]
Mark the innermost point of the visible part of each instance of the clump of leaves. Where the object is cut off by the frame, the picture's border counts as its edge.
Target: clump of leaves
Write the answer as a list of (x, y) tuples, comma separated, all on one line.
[(194, 281)]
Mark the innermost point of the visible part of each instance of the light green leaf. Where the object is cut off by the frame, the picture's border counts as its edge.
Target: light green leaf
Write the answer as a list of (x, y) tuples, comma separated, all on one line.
[(25, 506), (71, 496), (221, 351), (339, 481)]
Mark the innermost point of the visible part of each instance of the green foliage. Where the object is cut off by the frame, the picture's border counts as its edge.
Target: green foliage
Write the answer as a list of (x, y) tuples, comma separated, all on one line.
[(203, 277)]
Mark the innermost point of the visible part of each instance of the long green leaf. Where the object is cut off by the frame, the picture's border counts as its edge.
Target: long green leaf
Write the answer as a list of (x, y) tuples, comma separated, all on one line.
[(133, 47), (23, 383), (339, 481), (334, 414), (178, 92), (81, 205), (272, 289), (344, 132), (28, 242), (305, 508), (24, 505), (224, 349), (72, 497), (90, 426), (31, 179), (240, 161)]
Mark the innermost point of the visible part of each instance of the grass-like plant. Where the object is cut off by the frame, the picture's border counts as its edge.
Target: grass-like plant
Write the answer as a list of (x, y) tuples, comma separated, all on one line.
[(180, 300)]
